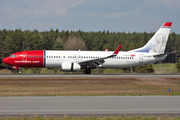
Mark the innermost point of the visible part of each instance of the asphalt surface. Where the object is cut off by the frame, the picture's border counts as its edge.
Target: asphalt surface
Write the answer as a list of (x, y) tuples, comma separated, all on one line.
[(90, 106), (84, 75)]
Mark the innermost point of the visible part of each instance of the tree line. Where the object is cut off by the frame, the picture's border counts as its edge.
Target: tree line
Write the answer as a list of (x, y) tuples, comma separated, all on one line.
[(18, 40)]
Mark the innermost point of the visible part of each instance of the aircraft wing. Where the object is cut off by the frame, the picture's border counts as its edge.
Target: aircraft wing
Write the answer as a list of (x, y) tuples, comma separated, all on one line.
[(99, 61), (167, 53)]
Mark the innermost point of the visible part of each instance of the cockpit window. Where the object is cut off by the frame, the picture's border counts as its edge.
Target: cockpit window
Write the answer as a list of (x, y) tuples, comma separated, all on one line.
[(12, 55)]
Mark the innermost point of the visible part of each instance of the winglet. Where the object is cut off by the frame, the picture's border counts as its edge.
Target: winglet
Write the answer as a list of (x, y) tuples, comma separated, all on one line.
[(117, 50), (107, 50)]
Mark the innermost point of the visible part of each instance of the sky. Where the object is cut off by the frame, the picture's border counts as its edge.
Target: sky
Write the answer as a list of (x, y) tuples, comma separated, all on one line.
[(89, 15)]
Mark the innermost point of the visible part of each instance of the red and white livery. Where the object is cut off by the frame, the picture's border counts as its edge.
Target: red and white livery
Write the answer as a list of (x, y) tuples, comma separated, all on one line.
[(76, 60)]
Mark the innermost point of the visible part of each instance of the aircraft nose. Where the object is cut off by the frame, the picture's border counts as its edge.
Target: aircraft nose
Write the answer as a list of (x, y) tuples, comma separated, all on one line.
[(6, 60)]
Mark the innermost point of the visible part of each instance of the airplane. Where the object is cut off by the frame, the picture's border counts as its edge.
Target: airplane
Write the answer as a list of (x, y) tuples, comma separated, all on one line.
[(152, 52)]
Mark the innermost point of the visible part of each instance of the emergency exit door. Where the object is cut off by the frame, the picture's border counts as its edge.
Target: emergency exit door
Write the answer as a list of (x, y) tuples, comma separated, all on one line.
[(24, 56)]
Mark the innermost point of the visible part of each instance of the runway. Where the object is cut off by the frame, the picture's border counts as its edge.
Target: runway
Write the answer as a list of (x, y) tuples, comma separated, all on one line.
[(87, 76), (90, 106)]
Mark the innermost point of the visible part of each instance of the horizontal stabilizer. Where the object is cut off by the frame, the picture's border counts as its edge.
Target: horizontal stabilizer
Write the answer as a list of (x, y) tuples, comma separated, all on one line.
[(167, 53)]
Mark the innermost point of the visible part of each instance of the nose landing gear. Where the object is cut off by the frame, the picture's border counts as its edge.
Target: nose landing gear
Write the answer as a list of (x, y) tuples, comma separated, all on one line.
[(87, 71), (19, 70)]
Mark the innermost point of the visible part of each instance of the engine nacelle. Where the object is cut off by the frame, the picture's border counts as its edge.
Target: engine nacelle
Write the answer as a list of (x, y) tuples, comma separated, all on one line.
[(69, 66)]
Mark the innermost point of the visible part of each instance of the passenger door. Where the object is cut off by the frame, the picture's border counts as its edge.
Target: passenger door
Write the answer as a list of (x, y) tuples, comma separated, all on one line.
[(140, 58), (24, 56)]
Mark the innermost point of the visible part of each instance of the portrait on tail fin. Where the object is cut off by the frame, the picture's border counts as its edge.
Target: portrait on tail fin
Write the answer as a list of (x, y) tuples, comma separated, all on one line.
[(160, 46)]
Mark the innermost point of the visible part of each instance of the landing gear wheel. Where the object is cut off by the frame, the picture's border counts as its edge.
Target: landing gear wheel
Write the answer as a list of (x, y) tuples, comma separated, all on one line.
[(19, 70), (87, 71)]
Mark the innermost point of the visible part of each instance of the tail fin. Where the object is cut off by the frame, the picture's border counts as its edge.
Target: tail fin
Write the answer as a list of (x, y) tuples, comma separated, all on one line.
[(157, 43)]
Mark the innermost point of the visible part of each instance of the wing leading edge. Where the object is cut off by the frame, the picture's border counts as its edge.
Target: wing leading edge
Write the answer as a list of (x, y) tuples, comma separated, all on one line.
[(99, 61)]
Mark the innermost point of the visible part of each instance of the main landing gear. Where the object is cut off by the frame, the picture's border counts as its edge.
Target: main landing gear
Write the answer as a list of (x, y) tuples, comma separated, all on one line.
[(19, 71), (87, 71)]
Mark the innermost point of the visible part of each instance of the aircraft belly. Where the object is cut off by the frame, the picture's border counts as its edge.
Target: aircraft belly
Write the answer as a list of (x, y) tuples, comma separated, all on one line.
[(128, 63), (118, 64)]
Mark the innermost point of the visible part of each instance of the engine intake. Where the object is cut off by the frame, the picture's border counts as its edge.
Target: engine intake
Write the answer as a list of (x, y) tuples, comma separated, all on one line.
[(69, 66)]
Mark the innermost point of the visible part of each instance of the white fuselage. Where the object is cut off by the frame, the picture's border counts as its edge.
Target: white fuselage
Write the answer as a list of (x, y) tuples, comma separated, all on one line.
[(122, 60)]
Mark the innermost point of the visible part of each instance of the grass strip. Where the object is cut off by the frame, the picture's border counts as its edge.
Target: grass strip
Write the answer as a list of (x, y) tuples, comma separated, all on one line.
[(88, 86)]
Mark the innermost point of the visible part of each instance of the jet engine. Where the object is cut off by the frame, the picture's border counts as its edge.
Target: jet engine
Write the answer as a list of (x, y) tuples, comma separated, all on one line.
[(69, 66)]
